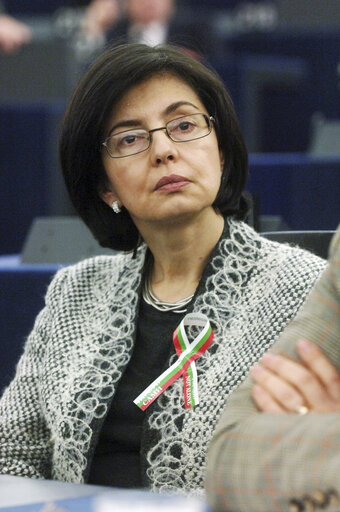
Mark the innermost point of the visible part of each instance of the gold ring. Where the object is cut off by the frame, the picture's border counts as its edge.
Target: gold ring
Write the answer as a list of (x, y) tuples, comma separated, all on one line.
[(301, 409)]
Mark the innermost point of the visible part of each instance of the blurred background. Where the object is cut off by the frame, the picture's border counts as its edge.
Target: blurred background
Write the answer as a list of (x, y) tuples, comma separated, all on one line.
[(279, 59)]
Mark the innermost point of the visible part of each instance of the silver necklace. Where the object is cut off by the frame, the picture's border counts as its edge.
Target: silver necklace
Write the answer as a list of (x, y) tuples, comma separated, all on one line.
[(177, 307)]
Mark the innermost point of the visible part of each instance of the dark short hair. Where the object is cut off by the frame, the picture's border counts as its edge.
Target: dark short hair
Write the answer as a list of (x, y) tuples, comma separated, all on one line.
[(83, 130)]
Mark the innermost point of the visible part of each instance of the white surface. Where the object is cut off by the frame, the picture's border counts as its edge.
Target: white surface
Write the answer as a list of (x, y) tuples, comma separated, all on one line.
[(146, 502), (16, 490)]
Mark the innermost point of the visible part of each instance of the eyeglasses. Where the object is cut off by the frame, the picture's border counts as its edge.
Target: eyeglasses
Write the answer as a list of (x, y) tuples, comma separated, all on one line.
[(181, 129)]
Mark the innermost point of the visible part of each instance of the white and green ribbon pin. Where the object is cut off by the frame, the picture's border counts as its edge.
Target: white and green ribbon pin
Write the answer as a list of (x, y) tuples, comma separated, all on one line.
[(187, 353)]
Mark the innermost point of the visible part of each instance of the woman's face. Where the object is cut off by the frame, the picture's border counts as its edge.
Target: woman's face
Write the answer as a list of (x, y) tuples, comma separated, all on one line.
[(193, 168)]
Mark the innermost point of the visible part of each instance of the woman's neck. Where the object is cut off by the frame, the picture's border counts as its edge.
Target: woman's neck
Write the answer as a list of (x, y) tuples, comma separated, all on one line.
[(180, 252)]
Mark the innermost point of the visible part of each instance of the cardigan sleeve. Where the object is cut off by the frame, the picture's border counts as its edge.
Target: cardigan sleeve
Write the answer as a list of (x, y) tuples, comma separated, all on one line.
[(25, 442), (261, 462)]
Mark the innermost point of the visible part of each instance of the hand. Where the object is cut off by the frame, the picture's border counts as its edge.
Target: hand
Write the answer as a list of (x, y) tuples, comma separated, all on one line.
[(99, 17), (285, 385), (13, 34)]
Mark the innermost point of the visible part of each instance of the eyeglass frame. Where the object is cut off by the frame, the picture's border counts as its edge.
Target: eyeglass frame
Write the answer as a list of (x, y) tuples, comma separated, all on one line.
[(209, 120)]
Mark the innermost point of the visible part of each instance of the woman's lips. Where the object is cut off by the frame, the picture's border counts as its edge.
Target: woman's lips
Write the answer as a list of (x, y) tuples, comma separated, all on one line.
[(172, 182)]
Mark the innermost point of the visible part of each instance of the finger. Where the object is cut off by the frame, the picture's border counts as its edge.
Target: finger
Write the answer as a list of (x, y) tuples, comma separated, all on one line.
[(265, 401), (299, 376), (278, 388), (315, 359)]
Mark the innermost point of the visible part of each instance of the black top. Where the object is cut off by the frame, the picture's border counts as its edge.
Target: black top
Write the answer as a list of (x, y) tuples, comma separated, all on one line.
[(116, 460)]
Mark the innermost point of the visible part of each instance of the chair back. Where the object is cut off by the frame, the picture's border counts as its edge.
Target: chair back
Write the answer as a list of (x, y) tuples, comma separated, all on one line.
[(316, 242), (325, 138)]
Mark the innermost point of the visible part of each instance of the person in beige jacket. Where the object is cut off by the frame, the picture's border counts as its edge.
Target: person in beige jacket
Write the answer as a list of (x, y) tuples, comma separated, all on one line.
[(277, 445)]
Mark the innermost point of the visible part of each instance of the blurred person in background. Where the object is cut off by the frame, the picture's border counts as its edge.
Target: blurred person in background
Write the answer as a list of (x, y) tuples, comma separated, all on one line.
[(13, 34), (99, 17), (97, 23), (151, 22)]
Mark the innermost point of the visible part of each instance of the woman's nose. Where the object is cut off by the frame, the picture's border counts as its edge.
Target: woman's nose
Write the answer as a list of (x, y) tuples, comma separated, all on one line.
[(163, 149)]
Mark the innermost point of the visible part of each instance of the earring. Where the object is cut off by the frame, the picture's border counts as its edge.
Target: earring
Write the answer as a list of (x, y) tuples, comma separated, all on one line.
[(115, 207)]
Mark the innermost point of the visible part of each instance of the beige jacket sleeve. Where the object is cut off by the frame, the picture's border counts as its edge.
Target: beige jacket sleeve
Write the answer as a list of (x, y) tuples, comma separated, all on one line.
[(263, 462)]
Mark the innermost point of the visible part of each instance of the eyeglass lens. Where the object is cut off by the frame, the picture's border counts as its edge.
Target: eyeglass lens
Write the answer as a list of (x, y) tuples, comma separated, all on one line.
[(181, 129)]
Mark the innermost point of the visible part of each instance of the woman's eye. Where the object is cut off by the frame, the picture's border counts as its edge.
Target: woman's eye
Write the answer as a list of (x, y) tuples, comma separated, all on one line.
[(183, 126), (128, 140)]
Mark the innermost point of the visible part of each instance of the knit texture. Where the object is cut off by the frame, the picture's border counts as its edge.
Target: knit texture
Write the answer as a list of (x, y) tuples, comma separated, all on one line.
[(82, 341)]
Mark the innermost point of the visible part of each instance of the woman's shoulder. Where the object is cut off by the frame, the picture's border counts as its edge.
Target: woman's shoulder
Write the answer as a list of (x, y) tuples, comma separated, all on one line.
[(295, 262), (89, 266), (267, 253), (87, 276)]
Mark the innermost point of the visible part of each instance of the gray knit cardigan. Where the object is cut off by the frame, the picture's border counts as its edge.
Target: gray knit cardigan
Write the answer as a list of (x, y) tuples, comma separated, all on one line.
[(52, 412)]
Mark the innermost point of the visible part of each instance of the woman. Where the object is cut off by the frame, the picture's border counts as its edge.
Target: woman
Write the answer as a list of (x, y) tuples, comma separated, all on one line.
[(155, 164)]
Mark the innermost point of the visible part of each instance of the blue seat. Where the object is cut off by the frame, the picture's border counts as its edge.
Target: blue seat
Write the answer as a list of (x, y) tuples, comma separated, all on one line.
[(23, 289), (31, 182), (303, 190)]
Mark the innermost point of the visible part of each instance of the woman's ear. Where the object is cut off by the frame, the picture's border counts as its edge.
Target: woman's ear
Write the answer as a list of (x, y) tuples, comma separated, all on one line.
[(108, 195)]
